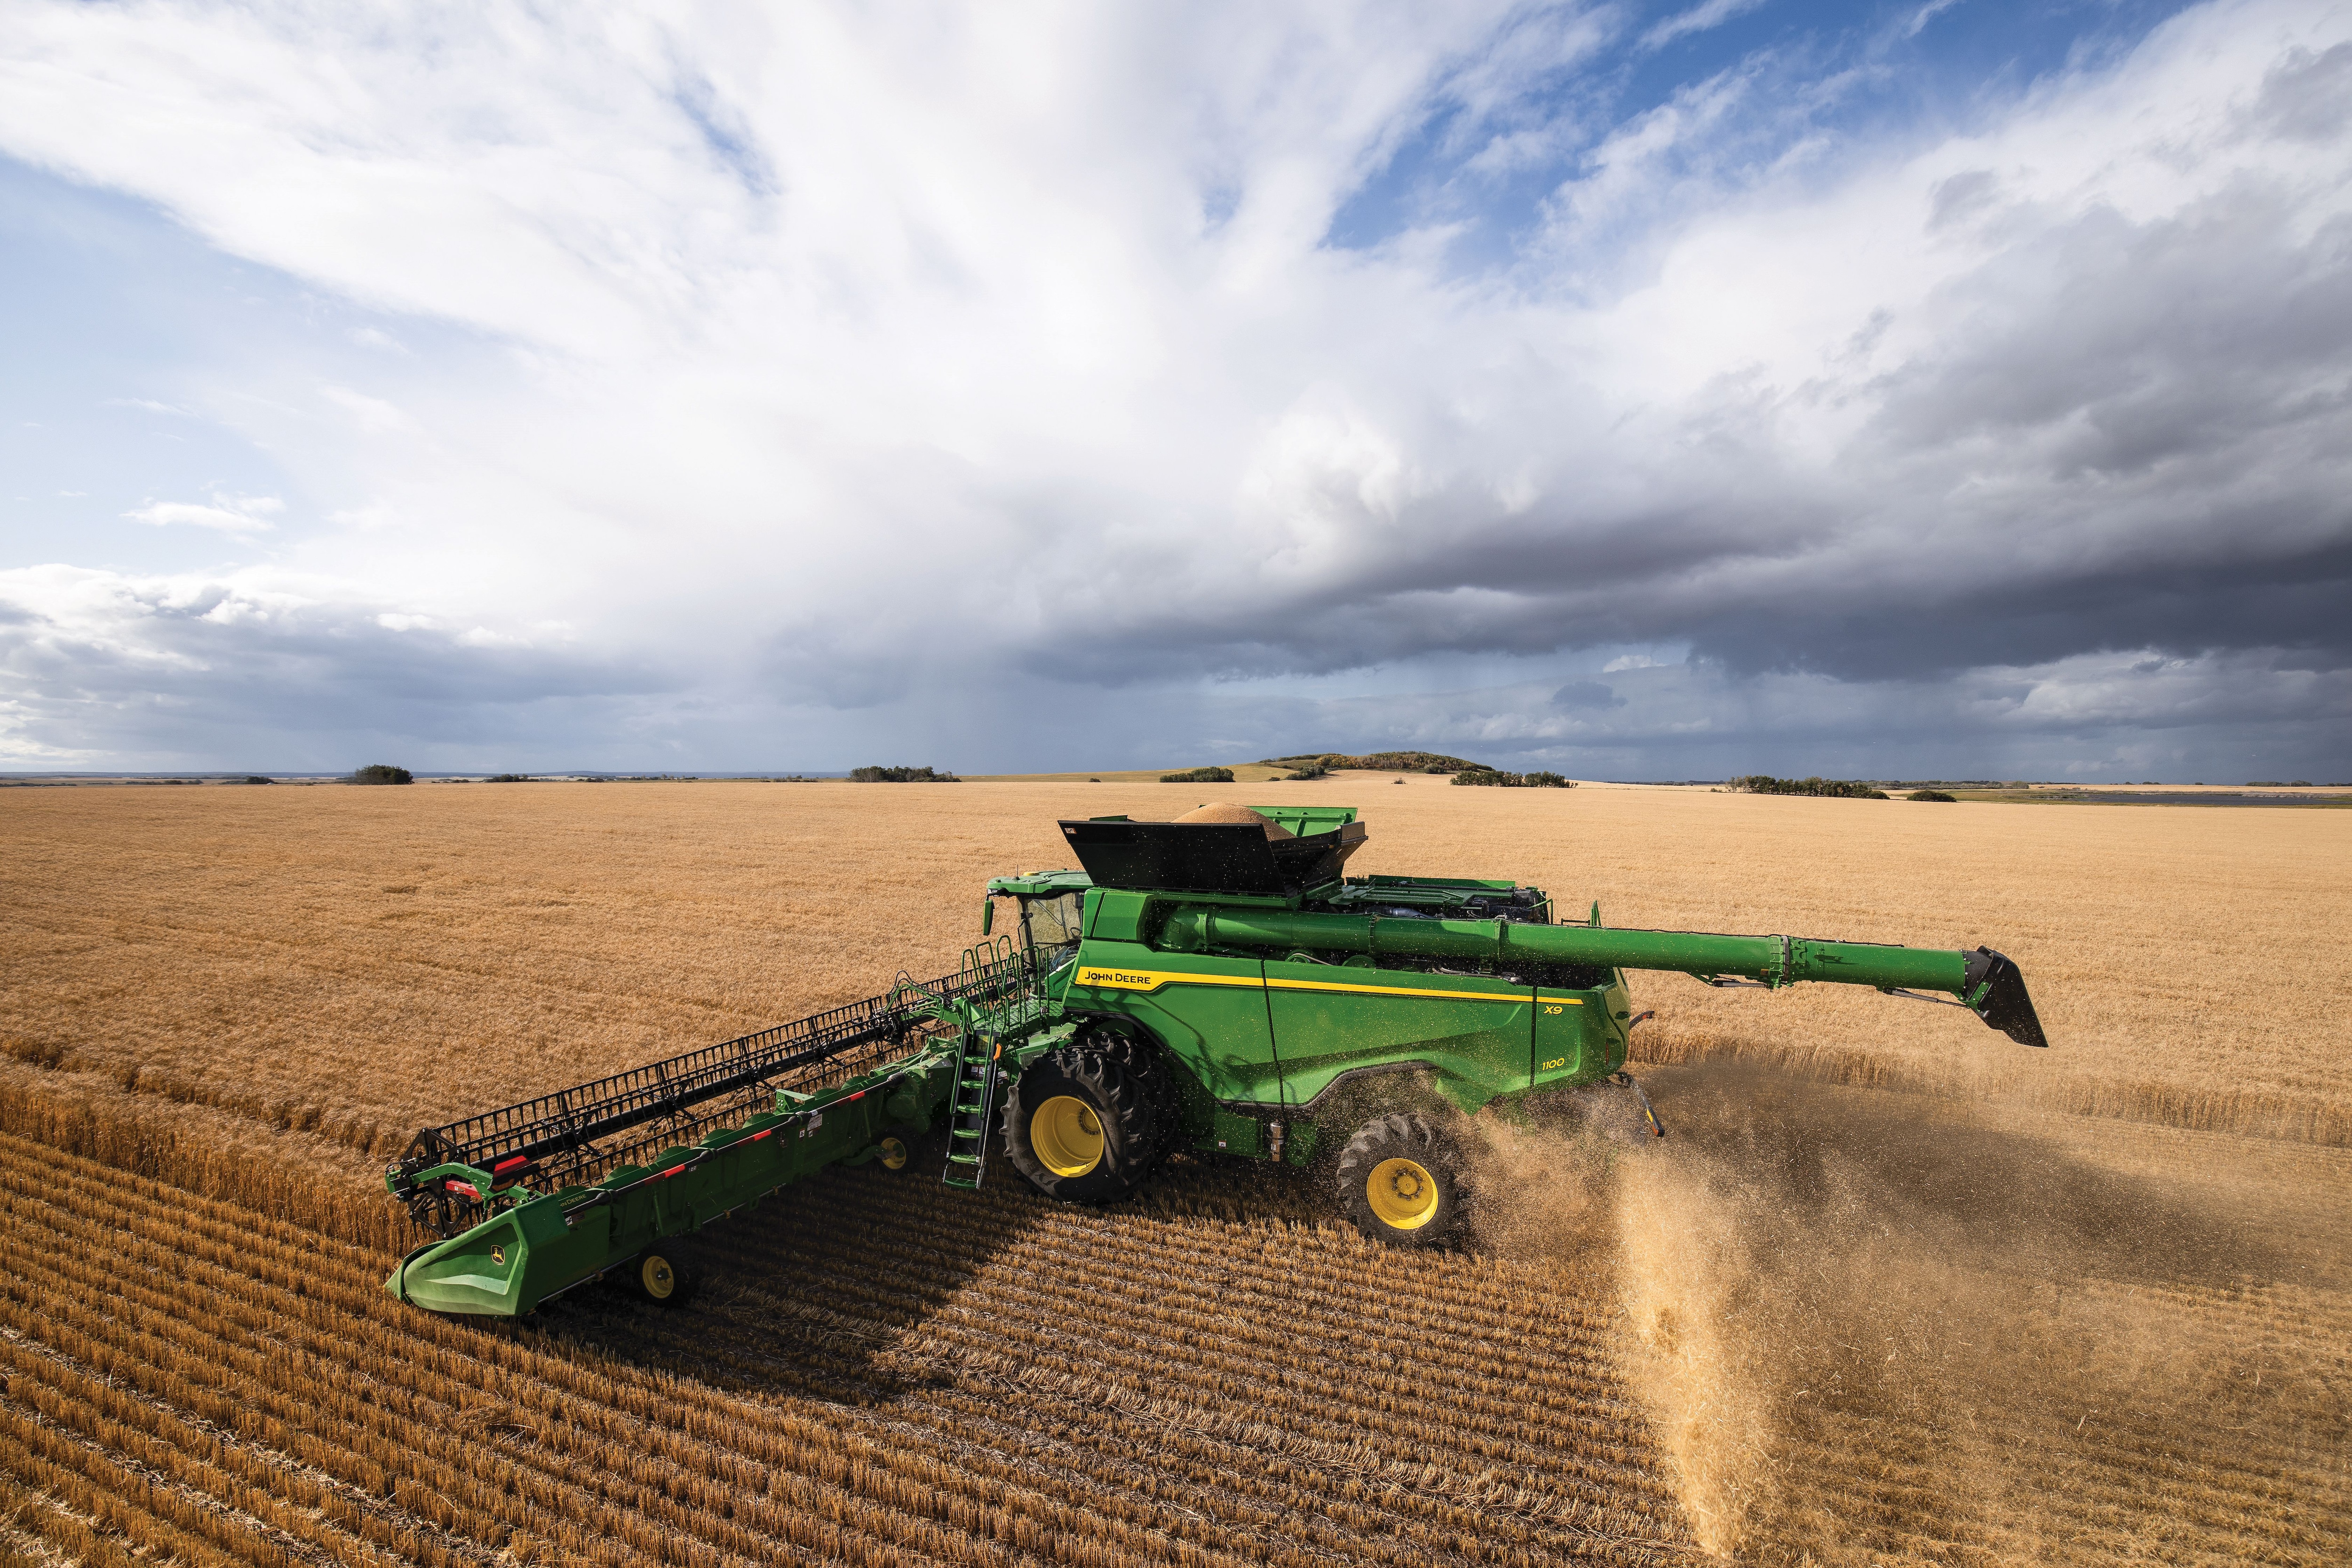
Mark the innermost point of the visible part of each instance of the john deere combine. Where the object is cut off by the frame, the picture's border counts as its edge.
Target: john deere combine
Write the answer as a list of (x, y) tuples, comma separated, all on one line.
[(1215, 982)]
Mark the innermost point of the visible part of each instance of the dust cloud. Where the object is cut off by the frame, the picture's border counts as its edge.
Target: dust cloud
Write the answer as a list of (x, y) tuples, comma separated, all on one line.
[(1870, 1325)]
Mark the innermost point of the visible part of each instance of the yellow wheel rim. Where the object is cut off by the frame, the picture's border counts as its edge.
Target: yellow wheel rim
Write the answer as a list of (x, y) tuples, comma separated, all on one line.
[(1402, 1194), (1066, 1135), (894, 1154), (659, 1280)]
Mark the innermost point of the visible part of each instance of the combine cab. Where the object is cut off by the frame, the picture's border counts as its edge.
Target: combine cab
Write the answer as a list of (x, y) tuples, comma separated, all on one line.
[(1219, 984)]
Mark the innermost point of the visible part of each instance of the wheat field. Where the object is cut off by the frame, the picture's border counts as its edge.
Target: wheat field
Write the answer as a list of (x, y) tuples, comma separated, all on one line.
[(1897, 1290)]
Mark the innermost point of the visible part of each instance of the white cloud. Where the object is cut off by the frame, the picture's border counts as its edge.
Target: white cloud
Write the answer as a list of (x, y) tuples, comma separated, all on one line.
[(1700, 18), (229, 514), (1924, 15)]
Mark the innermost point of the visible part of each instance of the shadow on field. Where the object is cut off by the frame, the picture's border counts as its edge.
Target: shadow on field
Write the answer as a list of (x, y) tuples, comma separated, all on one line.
[(824, 1289), (806, 1293)]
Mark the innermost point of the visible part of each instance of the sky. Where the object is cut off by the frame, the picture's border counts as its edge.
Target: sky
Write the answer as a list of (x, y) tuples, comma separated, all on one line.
[(1937, 390)]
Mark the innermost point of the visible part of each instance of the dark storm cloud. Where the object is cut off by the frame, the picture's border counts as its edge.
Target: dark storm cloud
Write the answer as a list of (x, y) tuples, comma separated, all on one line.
[(2121, 436)]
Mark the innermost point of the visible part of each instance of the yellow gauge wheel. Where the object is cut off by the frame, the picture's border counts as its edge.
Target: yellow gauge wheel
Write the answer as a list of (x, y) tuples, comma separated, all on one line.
[(658, 1277), (1402, 1194), (895, 1154), (1066, 1135)]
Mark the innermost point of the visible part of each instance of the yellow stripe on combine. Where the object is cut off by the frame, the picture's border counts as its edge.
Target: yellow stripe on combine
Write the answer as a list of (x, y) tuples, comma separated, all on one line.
[(1152, 980)]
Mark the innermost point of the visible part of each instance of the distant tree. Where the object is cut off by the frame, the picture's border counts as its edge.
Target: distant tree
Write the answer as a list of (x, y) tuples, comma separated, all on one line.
[(508, 778), (382, 774), (1933, 795), (900, 775), (1496, 778), (257, 778), (1374, 762), (1834, 789), (1193, 776)]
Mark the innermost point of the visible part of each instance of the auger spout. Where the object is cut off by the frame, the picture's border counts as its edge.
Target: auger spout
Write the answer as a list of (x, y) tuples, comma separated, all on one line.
[(1985, 982)]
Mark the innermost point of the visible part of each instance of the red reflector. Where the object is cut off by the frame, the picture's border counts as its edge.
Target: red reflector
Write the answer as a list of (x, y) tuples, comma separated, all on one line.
[(762, 1132), (466, 1187), (673, 1171), (859, 1095), (503, 1166)]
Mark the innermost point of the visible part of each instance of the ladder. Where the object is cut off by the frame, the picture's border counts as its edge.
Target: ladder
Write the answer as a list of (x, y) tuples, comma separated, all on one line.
[(970, 1111)]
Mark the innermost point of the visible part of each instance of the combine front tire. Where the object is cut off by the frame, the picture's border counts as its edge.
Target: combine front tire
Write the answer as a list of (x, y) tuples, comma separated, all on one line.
[(667, 1274), (1400, 1181), (1153, 1078), (1079, 1126)]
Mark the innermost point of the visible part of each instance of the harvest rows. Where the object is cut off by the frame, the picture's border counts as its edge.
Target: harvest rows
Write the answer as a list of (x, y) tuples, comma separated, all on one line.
[(883, 1371), (187, 1380)]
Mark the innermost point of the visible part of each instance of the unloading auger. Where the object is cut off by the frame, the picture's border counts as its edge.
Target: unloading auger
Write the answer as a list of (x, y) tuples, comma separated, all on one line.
[(1215, 984)]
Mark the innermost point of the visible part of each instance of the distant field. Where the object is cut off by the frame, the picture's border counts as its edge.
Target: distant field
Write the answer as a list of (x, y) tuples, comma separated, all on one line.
[(1822, 1319), (2160, 794), (1244, 773), (360, 962)]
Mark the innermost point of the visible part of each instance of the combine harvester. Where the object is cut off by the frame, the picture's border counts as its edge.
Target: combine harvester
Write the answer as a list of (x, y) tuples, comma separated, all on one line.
[(1215, 982)]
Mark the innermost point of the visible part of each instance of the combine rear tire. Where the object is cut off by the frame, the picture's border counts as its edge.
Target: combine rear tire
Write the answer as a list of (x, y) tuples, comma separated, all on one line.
[(665, 1274), (1400, 1181), (1079, 1126)]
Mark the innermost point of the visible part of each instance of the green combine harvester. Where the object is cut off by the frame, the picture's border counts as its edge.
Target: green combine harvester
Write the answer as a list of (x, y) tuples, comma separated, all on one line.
[(1213, 983)]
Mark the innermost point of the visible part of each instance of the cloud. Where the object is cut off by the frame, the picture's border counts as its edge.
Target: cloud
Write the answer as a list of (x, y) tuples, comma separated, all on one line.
[(2086, 717), (230, 514), (1581, 694), (918, 379), (185, 665), (1924, 15), (1701, 17)]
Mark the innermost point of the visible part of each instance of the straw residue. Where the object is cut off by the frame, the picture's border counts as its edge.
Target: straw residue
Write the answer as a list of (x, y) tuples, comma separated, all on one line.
[(1871, 1326)]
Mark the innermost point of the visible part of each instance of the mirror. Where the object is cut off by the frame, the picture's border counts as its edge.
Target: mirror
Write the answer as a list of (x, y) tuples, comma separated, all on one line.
[(987, 916)]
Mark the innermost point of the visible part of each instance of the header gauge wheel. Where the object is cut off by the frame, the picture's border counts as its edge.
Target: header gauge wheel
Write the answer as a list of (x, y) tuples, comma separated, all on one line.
[(667, 1274), (1080, 1127), (1400, 1181)]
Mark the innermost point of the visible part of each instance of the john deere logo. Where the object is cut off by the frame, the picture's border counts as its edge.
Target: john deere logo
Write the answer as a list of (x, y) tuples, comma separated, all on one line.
[(497, 1255)]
